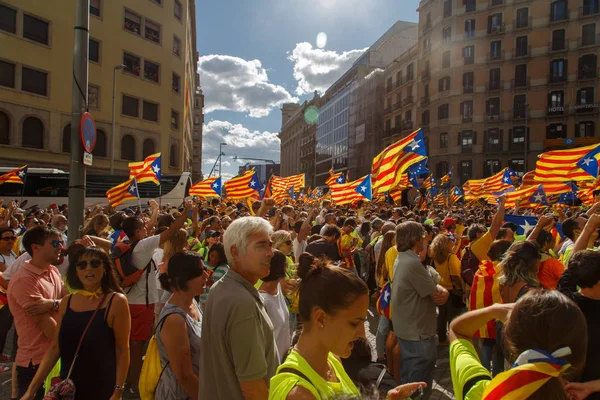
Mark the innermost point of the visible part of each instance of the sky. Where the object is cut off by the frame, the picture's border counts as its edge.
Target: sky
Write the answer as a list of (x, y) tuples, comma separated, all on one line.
[(256, 55)]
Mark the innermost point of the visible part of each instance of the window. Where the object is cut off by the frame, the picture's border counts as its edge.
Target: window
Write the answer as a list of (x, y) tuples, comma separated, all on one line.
[(588, 34), (585, 129), (33, 133), (447, 8), (35, 29), (468, 79), (175, 82), (389, 85), (408, 116), (147, 148), (426, 92), (559, 10), (95, 7), (425, 117), (94, 47), (585, 100), (130, 107), (174, 119), (587, 66), (173, 159), (152, 31), (470, 5), (558, 70), (466, 110), (491, 167), (517, 141), (496, 50), (493, 141), (149, 111), (428, 21), (4, 128), (495, 23), (159, 2), (447, 34), (466, 141), (466, 170), (556, 102), (8, 19), (522, 48), (151, 71), (469, 55), (7, 74), (556, 131), (128, 148), (443, 111), (178, 10), (444, 84), (398, 122), (177, 46), (520, 75), (444, 140), (559, 40), (427, 45), (446, 59), (34, 81), (409, 72), (519, 106), (100, 147), (497, 3), (494, 83), (590, 7), (132, 64), (66, 139), (522, 17), (133, 22), (517, 165), (470, 27), (492, 107), (93, 96)]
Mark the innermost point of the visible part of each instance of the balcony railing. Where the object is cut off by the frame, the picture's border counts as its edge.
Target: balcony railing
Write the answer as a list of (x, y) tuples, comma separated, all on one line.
[(557, 46), (424, 101), (425, 75), (427, 27), (494, 117), (494, 86), (519, 114), (522, 53), (396, 105), (496, 29), (588, 41), (521, 83), (495, 3), (557, 80), (556, 19), (558, 111), (407, 101), (387, 110), (528, 24), (495, 57), (407, 125), (587, 73), (570, 142), (588, 11), (468, 89)]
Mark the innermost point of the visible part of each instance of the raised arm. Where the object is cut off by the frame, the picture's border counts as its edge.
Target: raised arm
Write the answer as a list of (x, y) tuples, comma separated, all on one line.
[(543, 222), (498, 217), (588, 235), (178, 224)]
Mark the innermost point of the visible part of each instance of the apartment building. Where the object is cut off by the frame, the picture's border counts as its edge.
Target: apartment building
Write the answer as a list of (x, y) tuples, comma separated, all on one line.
[(501, 81), (197, 133), (149, 45)]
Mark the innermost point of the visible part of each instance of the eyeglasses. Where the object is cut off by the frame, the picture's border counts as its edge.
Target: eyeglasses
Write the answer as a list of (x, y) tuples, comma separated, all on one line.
[(56, 243), (288, 242), (93, 263), (7, 238)]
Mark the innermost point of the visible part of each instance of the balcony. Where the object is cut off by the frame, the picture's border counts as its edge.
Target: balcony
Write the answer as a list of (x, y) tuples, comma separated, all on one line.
[(495, 3), (496, 29), (469, 35), (387, 110), (495, 86), (494, 118), (425, 75), (407, 126), (424, 101), (467, 118), (521, 53), (587, 73), (558, 46), (561, 143), (494, 57), (588, 41), (558, 19), (426, 28), (524, 26), (555, 112), (407, 101), (588, 11), (519, 114), (557, 79), (396, 105), (519, 84), (467, 89)]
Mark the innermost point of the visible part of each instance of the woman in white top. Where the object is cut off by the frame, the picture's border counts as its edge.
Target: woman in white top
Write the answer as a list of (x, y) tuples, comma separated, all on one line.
[(270, 292)]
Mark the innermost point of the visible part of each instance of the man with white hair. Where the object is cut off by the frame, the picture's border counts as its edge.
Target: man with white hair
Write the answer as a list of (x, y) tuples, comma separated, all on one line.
[(238, 355)]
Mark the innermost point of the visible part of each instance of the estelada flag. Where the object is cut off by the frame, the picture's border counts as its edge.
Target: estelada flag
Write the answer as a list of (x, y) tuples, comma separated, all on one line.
[(15, 176), (147, 170), (127, 190)]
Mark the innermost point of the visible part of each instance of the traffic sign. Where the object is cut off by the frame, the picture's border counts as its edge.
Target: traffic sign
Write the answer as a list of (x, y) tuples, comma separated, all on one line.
[(87, 132), (87, 158)]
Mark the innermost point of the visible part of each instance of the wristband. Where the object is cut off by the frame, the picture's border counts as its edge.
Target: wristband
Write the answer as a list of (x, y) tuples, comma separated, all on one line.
[(119, 388)]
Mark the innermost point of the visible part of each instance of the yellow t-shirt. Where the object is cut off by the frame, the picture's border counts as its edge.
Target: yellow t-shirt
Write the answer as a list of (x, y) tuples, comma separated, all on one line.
[(388, 265), (481, 246), (449, 272), (460, 229)]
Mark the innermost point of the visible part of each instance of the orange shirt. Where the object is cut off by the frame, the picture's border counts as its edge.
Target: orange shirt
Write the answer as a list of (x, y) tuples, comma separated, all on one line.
[(550, 272), (27, 284)]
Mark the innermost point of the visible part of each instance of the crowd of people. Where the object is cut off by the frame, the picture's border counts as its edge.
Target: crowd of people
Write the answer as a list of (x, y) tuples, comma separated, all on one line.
[(257, 300)]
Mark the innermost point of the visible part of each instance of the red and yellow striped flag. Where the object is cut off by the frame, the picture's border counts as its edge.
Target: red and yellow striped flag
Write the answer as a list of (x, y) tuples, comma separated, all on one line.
[(127, 190), (242, 187), (346, 193), (147, 170), (15, 176), (561, 165), (210, 187), (485, 291), (335, 178)]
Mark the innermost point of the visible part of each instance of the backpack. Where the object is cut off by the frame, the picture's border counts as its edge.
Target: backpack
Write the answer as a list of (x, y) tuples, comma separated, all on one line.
[(152, 369), (128, 274), (469, 265)]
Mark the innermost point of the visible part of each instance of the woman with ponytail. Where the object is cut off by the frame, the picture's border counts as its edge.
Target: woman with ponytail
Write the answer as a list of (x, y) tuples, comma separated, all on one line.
[(546, 342), (333, 309), (519, 270), (179, 326)]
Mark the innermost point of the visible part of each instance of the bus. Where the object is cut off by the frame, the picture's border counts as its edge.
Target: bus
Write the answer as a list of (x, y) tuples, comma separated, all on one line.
[(46, 186)]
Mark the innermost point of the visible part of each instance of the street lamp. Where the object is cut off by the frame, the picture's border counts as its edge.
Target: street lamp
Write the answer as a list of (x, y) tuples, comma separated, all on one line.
[(220, 157), (112, 133)]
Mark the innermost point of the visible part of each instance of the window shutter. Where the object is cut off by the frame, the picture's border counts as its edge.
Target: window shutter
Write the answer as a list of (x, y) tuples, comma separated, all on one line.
[(489, 23), (486, 139), (487, 107), (500, 140), (474, 137), (459, 138)]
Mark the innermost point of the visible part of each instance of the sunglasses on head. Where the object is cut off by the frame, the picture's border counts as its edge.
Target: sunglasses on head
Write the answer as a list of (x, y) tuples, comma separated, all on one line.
[(93, 263), (56, 243), (7, 238)]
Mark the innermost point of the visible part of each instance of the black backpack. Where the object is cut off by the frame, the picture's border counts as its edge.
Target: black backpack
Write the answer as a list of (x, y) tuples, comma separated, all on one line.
[(468, 266)]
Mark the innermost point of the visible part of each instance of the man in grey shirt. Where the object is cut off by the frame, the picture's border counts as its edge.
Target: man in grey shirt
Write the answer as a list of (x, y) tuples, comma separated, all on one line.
[(414, 298), (238, 355)]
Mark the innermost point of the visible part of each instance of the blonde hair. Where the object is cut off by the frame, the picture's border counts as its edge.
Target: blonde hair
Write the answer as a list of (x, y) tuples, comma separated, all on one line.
[(279, 238), (439, 248), (96, 222), (176, 244)]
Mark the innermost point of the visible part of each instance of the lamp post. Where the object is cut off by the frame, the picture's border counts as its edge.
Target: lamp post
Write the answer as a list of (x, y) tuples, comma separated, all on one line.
[(112, 133), (220, 156)]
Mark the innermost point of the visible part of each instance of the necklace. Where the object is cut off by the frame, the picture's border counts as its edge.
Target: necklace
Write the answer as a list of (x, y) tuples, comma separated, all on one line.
[(329, 375)]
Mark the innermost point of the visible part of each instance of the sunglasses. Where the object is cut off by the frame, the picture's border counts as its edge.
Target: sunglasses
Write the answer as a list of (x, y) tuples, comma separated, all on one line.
[(288, 242), (93, 263), (56, 243), (7, 238)]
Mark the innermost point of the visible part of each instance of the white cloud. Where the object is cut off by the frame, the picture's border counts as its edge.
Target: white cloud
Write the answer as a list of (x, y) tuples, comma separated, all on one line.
[(241, 142), (317, 69), (234, 84)]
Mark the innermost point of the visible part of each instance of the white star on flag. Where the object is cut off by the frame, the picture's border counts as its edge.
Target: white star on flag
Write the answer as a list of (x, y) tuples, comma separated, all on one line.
[(414, 145), (252, 183), (363, 188), (526, 227), (587, 161), (339, 180), (215, 185), (386, 296), (506, 180), (132, 189), (21, 173), (538, 198), (155, 169)]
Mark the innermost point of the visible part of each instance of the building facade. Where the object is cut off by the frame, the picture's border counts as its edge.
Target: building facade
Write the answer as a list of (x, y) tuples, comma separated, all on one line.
[(149, 44), (197, 134), (500, 81)]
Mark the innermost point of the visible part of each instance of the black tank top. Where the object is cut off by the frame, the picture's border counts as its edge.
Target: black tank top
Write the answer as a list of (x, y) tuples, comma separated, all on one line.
[(94, 372)]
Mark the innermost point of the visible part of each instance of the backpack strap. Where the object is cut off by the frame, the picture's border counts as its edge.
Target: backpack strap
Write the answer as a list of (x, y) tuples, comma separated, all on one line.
[(298, 373)]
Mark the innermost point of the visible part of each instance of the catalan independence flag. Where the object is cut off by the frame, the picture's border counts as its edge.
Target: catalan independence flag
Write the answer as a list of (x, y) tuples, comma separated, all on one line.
[(429, 182), (335, 178), (578, 164), (127, 190), (455, 195), (446, 178), (346, 193), (297, 181), (440, 199), (485, 291), (15, 176), (210, 187), (243, 187), (147, 170), (389, 165)]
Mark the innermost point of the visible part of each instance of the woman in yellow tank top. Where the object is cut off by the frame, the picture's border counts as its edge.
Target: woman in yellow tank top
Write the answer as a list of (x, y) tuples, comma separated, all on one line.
[(333, 308)]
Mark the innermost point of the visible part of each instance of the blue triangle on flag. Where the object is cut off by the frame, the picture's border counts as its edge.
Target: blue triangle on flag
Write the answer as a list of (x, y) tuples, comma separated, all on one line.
[(364, 188)]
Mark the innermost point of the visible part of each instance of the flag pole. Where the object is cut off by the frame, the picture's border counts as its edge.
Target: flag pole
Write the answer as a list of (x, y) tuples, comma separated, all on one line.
[(23, 190)]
